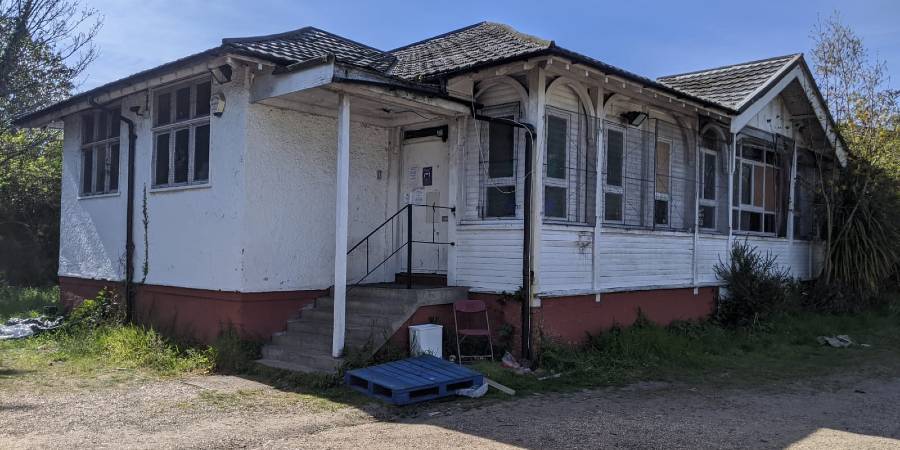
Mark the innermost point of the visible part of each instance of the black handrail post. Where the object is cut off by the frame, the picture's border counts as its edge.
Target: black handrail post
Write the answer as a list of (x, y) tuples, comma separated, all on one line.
[(409, 239)]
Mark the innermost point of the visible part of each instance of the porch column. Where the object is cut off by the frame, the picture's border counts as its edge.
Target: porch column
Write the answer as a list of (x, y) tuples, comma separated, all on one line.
[(342, 199)]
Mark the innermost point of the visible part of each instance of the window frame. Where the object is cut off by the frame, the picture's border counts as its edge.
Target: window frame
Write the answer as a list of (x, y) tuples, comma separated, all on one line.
[(706, 202), (192, 124), (112, 139), (611, 188), (662, 196), (507, 111), (554, 182), (739, 207)]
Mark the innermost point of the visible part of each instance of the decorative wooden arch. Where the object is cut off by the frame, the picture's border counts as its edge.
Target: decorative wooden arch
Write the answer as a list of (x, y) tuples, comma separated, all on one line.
[(488, 83), (578, 89)]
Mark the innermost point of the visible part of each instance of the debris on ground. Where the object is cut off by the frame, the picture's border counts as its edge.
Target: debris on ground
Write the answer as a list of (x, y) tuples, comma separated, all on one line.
[(839, 341), (499, 387), (509, 362), (17, 328), (473, 392)]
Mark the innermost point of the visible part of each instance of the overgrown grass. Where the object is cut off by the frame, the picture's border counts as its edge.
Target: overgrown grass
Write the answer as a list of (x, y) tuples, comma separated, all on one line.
[(26, 301), (783, 348)]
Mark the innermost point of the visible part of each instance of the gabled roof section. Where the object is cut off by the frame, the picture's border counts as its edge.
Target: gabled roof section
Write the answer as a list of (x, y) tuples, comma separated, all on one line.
[(310, 43), (734, 86), (467, 47)]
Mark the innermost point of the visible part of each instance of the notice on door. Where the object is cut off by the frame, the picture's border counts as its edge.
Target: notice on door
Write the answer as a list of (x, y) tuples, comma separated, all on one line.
[(426, 176)]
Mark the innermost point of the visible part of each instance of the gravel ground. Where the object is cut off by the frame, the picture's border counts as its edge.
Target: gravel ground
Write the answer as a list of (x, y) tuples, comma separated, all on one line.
[(228, 412)]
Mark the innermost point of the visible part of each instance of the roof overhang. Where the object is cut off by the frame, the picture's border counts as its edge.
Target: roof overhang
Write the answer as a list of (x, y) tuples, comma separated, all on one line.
[(797, 71), (328, 74)]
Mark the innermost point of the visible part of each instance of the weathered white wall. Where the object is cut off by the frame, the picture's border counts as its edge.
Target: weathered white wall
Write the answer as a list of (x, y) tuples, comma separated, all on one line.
[(92, 229), (489, 257), (288, 230)]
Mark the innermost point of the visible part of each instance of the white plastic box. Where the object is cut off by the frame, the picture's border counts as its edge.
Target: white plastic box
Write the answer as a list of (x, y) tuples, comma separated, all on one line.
[(426, 339)]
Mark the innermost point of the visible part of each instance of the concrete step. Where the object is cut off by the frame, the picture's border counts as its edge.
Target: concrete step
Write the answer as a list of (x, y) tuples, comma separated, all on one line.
[(354, 334), (322, 316), (314, 362), (299, 367)]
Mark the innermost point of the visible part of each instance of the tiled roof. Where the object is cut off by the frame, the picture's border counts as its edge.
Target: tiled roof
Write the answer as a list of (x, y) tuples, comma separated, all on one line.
[(729, 86), (467, 47), (309, 43)]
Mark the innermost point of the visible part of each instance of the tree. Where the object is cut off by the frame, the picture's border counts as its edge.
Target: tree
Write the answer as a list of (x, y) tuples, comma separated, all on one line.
[(860, 202), (45, 45)]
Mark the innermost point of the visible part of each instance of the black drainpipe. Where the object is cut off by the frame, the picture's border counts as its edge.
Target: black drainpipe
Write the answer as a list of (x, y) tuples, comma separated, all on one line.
[(527, 273), (129, 218)]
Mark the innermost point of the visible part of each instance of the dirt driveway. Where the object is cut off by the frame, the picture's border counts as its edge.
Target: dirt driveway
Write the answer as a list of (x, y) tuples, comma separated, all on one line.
[(227, 412)]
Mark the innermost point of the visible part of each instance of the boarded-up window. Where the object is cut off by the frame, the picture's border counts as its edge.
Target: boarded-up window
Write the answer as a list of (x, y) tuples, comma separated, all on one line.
[(663, 166)]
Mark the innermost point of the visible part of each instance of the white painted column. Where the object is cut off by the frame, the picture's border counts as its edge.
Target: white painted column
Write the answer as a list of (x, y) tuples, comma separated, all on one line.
[(733, 167), (537, 94), (456, 148), (341, 213), (697, 158), (790, 216), (597, 95)]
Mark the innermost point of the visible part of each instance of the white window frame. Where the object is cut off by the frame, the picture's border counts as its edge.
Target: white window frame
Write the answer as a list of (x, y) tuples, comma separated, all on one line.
[(609, 188), (661, 196), (192, 124), (107, 145), (740, 206), (509, 111), (713, 202), (562, 183)]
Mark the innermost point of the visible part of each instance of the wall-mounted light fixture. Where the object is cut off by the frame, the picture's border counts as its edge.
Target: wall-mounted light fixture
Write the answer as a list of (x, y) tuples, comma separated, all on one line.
[(635, 118), (217, 104)]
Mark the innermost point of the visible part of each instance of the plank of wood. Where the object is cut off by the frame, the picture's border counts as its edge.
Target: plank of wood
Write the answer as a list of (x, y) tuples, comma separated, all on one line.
[(499, 386)]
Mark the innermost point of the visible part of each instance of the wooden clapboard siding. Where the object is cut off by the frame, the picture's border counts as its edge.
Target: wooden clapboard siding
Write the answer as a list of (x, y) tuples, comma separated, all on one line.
[(566, 259), (489, 258), (641, 259)]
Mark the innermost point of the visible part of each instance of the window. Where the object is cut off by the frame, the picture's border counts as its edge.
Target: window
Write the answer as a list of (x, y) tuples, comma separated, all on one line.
[(756, 191), (555, 184), (614, 188), (708, 185), (181, 135), (662, 182), (100, 152), (500, 183)]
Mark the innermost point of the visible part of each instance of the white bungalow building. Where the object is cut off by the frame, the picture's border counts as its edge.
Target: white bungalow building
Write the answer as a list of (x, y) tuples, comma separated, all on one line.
[(237, 186)]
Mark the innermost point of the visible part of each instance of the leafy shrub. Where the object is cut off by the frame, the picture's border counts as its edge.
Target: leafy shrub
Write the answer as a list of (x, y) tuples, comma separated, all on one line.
[(755, 287), (137, 347), (106, 308)]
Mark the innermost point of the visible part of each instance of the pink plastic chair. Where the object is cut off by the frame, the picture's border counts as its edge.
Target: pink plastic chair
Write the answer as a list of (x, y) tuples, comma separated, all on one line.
[(467, 316)]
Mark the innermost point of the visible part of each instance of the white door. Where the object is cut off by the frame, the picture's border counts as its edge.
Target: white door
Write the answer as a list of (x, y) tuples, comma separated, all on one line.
[(425, 182)]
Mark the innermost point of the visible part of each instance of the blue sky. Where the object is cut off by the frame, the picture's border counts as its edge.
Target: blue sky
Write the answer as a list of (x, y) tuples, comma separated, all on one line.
[(648, 38)]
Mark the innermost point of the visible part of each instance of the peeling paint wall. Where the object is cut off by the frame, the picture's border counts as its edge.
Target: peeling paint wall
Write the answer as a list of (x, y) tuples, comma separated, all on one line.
[(288, 232)]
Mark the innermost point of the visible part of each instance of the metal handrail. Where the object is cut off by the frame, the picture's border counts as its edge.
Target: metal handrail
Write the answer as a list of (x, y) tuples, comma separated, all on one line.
[(407, 244)]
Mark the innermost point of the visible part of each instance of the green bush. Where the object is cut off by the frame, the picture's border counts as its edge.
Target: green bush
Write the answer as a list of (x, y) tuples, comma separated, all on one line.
[(26, 301), (234, 354), (755, 287)]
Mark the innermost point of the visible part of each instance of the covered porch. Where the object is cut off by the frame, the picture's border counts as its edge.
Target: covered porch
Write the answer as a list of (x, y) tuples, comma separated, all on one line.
[(394, 177)]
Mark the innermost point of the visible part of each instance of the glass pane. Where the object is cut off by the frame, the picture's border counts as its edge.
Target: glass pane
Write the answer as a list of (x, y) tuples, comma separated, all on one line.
[(501, 201), (615, 142), (87, 171), (769, 223), (751, 221), (758, 183), (203, 94), (501, 150), (554, 201), (100, 163), (183, 104), (753, 153), (103, 126), (201, 153), (114, 167), (736, 180), (707, 217), (709, 176), (182, 146), (663, 150), (612, 206), (771, 189), (661, 212), (87, 128), (115, 123), (746, 184), (163, 109), (162, 160), (556, 146)]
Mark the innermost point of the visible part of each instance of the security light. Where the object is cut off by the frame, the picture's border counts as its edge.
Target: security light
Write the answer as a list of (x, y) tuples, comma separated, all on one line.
[(635, 118)]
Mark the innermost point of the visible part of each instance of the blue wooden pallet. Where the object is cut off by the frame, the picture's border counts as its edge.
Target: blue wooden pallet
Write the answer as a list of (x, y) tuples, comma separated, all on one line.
[(412, 380)]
